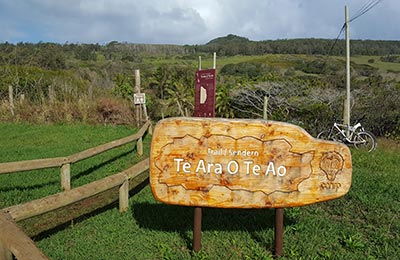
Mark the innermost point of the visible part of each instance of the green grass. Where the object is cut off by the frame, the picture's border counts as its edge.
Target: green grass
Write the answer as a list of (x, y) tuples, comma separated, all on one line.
[(389, 70), (381, 65), (364, 224), (284, 62), (27, 142)]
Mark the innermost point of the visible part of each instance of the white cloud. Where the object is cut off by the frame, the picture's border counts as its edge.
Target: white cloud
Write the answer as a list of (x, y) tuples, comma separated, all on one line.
[(189, 21)]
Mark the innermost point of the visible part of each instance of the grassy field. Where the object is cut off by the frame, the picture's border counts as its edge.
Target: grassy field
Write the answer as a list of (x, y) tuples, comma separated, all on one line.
[(281, 61), (27, 142), (364, 224)]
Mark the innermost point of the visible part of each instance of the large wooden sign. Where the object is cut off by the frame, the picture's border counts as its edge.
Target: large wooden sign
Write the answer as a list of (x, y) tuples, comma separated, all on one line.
[(244, 164)]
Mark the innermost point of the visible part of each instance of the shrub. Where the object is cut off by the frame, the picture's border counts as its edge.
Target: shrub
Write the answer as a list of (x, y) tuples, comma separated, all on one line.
[(115, 111)]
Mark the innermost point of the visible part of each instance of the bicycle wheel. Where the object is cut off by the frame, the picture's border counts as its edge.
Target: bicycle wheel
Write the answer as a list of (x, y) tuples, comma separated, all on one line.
[(324, 135), (364, 141), (374, 138)]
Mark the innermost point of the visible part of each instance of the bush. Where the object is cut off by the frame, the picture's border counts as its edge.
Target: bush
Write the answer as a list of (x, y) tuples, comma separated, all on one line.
[(115, 111), (106, 110), (391, 58)]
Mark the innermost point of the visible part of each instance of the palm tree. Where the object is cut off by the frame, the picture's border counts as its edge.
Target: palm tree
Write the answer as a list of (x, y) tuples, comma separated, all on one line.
[(180, 94), (223, 101)]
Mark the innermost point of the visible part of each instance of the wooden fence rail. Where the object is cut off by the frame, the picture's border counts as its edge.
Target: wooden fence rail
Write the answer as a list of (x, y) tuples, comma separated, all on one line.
[(65, 162), (52, 202), (13, 241)]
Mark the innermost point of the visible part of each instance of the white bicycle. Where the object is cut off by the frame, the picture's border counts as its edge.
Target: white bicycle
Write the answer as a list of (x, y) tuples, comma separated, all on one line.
[(355, 135)]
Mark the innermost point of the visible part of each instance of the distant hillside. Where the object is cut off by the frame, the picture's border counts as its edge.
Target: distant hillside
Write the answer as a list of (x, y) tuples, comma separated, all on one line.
[(230, 38), (236, 45), (61, 56)]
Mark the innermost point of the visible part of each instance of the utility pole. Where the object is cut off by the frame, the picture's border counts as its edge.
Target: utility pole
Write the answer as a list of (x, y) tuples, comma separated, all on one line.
[(346, 116), (214, 60), (199, 62)]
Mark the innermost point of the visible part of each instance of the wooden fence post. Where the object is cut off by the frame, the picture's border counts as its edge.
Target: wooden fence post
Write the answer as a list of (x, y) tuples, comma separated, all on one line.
[(4, 252), (137, 91), (124, 196), (150, 129), (139, 146), (11, 99), (51, 95), (265, 108), (22, 99), (66, 176)]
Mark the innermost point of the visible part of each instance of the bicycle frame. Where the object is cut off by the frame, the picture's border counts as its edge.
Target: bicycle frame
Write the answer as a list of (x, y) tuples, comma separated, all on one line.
[(346, 132), (355, 135)]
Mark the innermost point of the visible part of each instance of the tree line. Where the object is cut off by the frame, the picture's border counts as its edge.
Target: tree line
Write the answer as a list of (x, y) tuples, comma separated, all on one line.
[(235, 45), (55, 56), (304, 89)]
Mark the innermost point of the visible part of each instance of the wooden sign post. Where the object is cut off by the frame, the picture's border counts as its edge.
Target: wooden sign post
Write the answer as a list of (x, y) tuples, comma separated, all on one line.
[(244, 164), (207, 162), (204, 106)]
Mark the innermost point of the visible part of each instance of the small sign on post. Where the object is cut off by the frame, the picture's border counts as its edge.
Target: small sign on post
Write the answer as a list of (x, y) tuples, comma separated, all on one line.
[(139, 98)]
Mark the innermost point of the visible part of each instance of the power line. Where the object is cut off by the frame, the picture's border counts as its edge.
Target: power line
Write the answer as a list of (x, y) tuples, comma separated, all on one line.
[(337, 38), (364, 9)]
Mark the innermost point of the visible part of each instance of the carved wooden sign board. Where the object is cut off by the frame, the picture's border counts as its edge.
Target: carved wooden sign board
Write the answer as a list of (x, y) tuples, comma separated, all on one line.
[(244, 164)]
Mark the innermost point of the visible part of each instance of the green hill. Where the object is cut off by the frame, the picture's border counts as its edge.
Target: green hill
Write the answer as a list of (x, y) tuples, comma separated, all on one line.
[(230, 38)]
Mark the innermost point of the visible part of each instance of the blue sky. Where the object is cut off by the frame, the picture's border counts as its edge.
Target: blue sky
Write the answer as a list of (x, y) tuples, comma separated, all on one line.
[(191, 21)]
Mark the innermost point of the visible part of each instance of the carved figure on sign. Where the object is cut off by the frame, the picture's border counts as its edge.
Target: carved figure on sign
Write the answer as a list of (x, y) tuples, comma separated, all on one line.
[(203, 95), (332, 164)]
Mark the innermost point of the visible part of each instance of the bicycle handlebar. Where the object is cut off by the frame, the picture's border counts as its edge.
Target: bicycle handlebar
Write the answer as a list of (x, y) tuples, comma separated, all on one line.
[(355, 122)]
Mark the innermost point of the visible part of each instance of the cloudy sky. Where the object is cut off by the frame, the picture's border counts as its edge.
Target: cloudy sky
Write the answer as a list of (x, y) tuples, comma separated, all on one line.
[(191, 21)]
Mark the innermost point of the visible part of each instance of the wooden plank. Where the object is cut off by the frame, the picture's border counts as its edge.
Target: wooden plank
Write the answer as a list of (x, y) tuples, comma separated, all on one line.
[(5, 254), (28, 165), (31, 165), (108, 146), (38, 224), (40, 206), (244, 164), (20, 245)]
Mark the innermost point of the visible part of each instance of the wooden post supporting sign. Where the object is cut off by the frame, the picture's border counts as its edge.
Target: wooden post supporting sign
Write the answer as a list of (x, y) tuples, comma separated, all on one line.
[(278, 231), (204, 106)]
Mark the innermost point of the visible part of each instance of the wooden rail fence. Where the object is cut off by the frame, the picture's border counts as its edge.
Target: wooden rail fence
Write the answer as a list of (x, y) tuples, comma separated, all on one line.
[(52, 202), (13, 241), (65, 162)]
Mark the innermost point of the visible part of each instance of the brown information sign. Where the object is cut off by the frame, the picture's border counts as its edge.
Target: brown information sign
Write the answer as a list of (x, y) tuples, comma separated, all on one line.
[(204, 94), (244, 164)]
